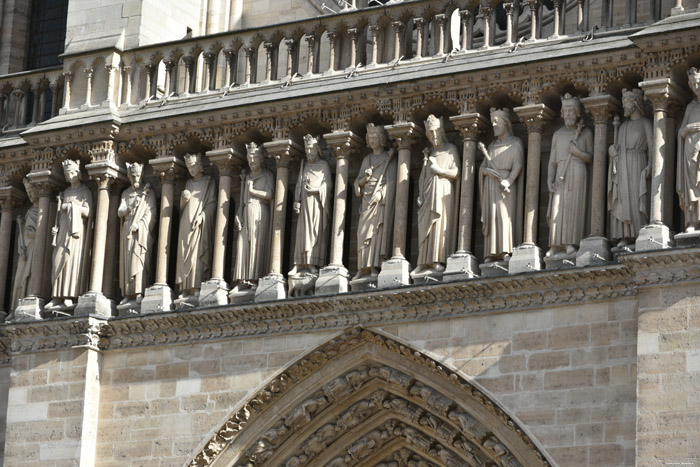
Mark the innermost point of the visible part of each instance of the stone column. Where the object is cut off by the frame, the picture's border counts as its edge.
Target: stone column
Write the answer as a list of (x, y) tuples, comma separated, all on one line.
[(170, 85), (311, 51), (528, 256), (67, 78), (333, 279), (399, 28), (210, 67), (332, 53), (595, 249), (127, 85), (112, 250), (111, 83), (534, 6), (188, 63), (36, 105), (396, 270), (463, 264), (273, 286), (269, 58), (440, 26), (509, 6), (291, 69), (231, 64), (248, 70), (30, 307), (159, 296), (227, 160), (374, 29), (148, 85), (88, 87), (10, 198), (352, 34), (660, 92), (94, 301), (419, 22), (485, 14), (557, 19)]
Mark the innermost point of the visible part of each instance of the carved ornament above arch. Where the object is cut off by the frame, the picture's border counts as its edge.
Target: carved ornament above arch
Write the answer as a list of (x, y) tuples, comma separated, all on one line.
[(364, 398)]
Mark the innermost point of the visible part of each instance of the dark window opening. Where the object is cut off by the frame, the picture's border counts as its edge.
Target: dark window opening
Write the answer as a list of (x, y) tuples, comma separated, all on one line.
[(47, 33)]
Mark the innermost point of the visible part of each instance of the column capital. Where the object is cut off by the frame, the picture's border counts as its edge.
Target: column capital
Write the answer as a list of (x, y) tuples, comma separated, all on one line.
[(229, 54), (441, 18), (660, 92), (226, 159), (310, 39), (419, 20), (269, 46), (168, 168), (535, 116), (352, 33), (470, 125), (104, 173), (11, 197), (208, 57), (405, 134), (283, 151), (343, 143), (48, 182), (398, 26), (602, 107)]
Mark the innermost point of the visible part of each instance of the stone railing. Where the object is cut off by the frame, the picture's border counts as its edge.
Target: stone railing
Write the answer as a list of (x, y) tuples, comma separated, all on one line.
[(29, 98)]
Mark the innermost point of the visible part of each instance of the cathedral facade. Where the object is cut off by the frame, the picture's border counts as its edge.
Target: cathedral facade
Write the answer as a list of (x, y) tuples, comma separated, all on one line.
[(391, 233)]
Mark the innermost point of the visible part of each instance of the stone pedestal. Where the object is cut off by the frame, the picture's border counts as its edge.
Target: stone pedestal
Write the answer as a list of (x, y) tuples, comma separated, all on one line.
[(158, 298), (95, 304), (271, 287), (129, 308), (302, 285), (332, 280), (29, 309), (525, 258), (394, 273), (364, 284), (214, 292), (690, 239), (494, 268), (427, 278), (593, 251), (186, 303), (560, 261), (241, 294), (654, 237), (461, 266)]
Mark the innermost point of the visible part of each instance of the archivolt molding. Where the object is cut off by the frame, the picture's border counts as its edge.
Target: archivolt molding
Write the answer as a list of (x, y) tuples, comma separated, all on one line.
[(381, 400)]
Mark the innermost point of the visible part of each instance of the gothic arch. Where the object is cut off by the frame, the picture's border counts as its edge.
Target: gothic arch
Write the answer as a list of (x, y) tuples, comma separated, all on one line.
[(365, 399)]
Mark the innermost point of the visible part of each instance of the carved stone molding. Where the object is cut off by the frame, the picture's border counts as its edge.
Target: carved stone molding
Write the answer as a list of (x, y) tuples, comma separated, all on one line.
[(432, 411), (667, 267)]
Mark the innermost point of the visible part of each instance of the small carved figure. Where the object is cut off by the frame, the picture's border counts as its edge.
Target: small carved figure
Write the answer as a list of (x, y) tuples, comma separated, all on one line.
[(688, 171), (313, 198), (25, 244), (629, 171), (410, 412), (70, 240), (437, 200), (194, 244), (500, 190), (567, 180), (137, 210), (318, 442), (470, 425), (391, 375), (254, 221), (376, 185), (433, 399), (303, 412)]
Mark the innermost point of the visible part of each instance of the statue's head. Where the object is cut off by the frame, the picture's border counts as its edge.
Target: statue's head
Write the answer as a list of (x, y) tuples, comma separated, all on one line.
[(570, 109), (434, 130), (255, 156), (632, 99), (135, 173), (31, 189), (694, 80), (312, 148), (194, 164), (71, 170), (376, 136), (500, 121)]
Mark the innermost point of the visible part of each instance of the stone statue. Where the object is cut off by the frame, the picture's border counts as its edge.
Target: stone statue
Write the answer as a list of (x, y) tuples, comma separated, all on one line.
[(629, 171), (137, 210), (567, 180), (71, 240), (438, 190), (312, 201), (194, 243), (688, 172), (500, 189), (25, 244), (254, 221), (375, 184)]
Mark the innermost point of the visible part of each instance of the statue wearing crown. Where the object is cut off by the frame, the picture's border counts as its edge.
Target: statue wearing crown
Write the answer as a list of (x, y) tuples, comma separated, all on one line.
[(253, 221), (194, 244), (567, 180), (28, 225), (500, 189), (312, 202), (688, 171), (137, 211), (71, 238), (438, 191)]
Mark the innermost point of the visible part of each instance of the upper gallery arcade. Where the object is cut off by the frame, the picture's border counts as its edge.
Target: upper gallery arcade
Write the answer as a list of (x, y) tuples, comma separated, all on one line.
[(368, 147)]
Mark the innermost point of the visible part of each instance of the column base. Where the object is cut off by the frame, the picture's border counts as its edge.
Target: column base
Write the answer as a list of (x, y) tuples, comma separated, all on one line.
[(332, 280), (494, 268), (95, 304), (688, 239), (29, 309), (653, 237), (364, 284), (561, 260), (271, 287), (677, 10), (395, 273), (157, 299), (187, 302), (242, 293), (594, 251), (130, 308), (302, 285), (214, 292), (525, 258), (461, 266)]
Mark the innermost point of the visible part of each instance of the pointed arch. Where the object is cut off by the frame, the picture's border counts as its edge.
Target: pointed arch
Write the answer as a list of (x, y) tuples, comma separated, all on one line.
[(365, 398)]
